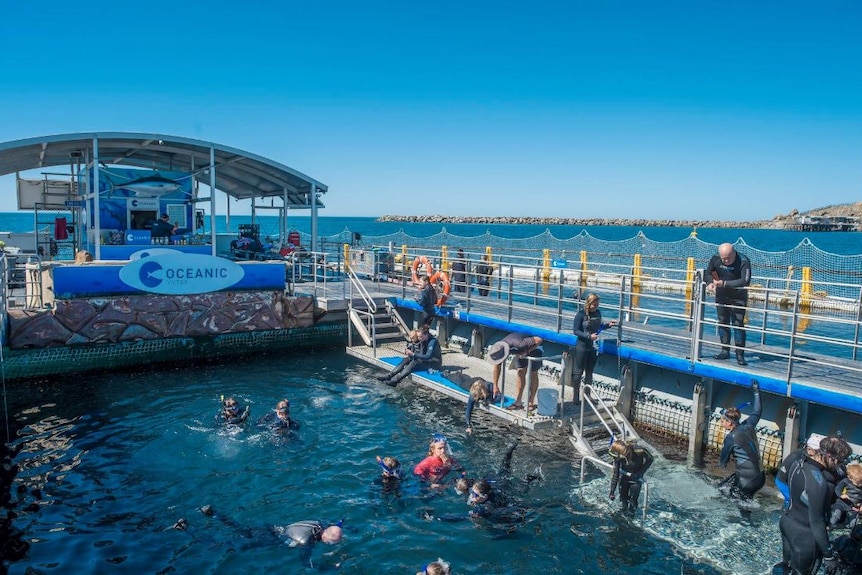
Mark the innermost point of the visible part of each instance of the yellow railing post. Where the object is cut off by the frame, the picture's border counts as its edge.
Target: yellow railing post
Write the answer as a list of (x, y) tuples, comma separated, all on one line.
[(636, 273), (806, 290), (444, 258), (346, 248), (546, 265), (689, 277), (583, 268), (405, 265)]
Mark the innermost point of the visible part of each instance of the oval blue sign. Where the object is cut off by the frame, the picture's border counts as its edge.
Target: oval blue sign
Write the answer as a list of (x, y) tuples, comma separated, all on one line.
[(181, 274)]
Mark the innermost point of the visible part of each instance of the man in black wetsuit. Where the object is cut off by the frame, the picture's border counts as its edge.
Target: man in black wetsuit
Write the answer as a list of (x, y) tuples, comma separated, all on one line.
[(741, 442), (804, 539), (728, 274)]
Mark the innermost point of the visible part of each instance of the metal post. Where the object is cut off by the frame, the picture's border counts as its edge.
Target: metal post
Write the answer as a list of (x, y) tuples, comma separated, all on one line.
[(212, 200), (792, 342), (511, 289), (97, 220), (792, 427), (698, 424), (697, 332), (858, 321), (765, 314), (560, 298), (313, 197)]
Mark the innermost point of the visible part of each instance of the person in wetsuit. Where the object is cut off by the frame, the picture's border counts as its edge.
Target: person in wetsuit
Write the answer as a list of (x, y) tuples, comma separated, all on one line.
[(728, 273), (230, 413), (630, 465), (587, 326), (427, 299), (811, 447), (804, 539), (279, 419), (741, 443), (481, 391), (430, 356)]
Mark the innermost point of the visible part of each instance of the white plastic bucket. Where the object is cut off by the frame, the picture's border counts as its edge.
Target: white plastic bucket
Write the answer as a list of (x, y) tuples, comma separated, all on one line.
[(547, 399)]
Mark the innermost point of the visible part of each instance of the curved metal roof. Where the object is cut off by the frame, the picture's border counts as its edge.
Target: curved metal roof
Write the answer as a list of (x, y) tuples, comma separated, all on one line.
[(238, 173)]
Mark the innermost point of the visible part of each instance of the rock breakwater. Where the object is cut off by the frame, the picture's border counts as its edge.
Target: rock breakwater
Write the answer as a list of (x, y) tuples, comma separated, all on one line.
[(636, 222)]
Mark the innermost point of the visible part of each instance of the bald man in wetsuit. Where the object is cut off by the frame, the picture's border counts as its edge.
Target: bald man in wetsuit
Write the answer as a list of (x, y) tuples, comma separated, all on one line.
[(728, 274)]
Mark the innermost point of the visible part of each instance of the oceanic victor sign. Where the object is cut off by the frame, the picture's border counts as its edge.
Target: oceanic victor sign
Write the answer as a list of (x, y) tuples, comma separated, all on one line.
[(179, 274)]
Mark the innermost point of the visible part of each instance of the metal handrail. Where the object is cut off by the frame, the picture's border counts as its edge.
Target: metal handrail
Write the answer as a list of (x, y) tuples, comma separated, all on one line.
[(584, 399)]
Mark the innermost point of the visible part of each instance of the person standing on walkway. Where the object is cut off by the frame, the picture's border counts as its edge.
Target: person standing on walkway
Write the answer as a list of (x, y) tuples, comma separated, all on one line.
[(459, 272), (427, 299), (587, 326), (522, 346), (728, 274), (484, 271)]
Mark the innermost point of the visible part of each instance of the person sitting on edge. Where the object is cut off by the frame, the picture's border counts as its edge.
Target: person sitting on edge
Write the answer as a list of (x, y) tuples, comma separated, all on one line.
[(630, 465), (811, 447), (162, 228), (522, 346), (741, 442), (230, 413), (438, 567), (438, 463), (279, 418), (849, 497), (728, 274), (482, 391), (430, 356), (427, 299)]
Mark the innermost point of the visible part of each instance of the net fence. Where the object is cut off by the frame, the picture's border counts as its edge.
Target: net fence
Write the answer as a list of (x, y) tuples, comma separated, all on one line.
[(831, 275)]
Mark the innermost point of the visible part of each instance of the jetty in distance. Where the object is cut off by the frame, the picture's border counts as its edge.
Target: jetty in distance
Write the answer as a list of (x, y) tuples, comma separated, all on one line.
[(837, 218)]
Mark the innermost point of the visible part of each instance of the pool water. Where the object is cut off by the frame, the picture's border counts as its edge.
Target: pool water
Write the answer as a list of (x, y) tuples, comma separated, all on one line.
[(109, 463)]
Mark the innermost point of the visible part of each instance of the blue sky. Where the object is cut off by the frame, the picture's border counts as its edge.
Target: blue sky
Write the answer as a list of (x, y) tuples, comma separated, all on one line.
[(673, 110)]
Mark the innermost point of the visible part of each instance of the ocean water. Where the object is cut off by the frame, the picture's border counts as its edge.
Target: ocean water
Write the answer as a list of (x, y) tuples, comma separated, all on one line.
[(846, 243), (107, 464)]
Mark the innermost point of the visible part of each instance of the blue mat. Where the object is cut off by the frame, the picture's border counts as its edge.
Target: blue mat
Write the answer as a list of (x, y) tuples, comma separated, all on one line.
[(440, 379)]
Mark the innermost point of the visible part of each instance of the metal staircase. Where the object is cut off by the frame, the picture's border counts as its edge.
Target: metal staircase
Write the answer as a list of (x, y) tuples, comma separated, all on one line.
[(374, 323), (598, 424)]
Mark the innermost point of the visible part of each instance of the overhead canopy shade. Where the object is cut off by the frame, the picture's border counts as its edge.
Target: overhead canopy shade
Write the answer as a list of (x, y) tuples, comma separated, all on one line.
[(239, 174)]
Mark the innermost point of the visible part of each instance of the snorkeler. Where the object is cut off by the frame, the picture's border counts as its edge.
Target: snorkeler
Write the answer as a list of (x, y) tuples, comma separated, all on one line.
[(230, 413), (304, 534), (438, 567), (279, 418), (438, 463), (390, 469)]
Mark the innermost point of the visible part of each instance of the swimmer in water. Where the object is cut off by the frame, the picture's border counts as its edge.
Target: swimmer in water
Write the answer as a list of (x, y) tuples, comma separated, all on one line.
[(230, 413)]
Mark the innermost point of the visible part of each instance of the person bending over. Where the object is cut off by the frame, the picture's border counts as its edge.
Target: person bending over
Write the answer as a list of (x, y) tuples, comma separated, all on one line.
[(630, 465), (522, 346)]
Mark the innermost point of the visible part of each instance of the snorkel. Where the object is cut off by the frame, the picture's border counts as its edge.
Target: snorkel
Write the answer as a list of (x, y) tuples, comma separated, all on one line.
[(390, 472)]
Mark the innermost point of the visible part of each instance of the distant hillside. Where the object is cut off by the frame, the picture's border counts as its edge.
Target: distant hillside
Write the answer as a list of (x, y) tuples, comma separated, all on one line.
[(853, 210)]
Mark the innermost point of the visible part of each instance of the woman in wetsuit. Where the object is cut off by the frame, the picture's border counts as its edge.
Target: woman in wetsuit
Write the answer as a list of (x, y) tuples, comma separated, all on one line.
[(482, 391), (741, 442), (804, 540), (630, 465), (587, 326)]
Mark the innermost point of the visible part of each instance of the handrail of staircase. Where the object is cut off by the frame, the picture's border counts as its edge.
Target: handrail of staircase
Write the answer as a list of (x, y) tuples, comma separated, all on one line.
[(605, 466), (357, 283), (587, 399)]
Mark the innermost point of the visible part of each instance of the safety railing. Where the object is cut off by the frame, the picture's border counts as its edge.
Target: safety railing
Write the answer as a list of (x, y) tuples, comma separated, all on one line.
[(784, 317)]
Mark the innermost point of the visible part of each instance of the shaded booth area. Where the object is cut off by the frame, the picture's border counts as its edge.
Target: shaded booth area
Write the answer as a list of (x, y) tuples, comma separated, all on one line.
[(126, 248)]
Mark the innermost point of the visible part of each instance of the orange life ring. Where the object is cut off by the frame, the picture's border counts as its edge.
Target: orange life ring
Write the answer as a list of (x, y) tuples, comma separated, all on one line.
[(441, 279), (429, 269)]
